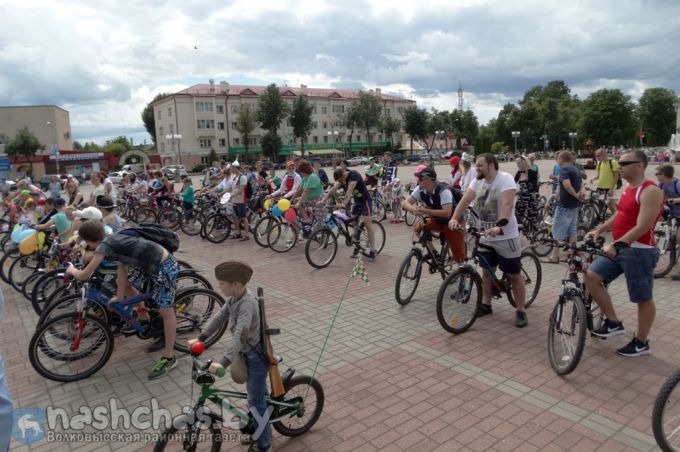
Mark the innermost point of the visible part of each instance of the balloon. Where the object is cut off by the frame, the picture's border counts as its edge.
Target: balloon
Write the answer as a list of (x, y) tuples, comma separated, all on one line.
[(290, 215), (23, 234), (29, 244), (197, 348), (276, 211), (15, 233), (267, 204), (284, 205)]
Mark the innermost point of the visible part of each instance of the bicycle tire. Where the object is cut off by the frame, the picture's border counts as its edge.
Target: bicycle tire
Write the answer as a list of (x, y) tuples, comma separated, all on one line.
[(409, 218), (658, 412), (323, 238), (309, 385), (214, 224), (67, 305), (404, 297), (540, 247), (576, 325), (587, 216), (462, 292), (532, 280), (379, 212), (282, 237), (261, 230), (144, 215), (22, 269), (189, 223), (29, 285), (37, 340), (187, 438), (170, 217), (6, 262), (189, 324), (665, 243), (379, 235)]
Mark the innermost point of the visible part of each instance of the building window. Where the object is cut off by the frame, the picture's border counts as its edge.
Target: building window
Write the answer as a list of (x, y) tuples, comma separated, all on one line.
[(338, 108), (325, 138), (325, 124), (388, 112), (237, 141), (223, 142), (234, 108), (313, 109), (252, 141), (315, 124), (172, 129), (169, 111), (160, 129), (159, 114), (220, 126), (219, 108), (401, 109), (205, 144), (162, 148), (358, 137), (205, 123), (205, 160), (324, 110), (380, 137), (233, 126), (315, 139), (204, 106)]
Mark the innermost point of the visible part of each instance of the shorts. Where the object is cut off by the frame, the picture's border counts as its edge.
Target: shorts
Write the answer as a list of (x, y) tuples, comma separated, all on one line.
[(162, 282), (637, 264), (362, 207), (565, 222), (456, 239), (240, 210), (505, 254)]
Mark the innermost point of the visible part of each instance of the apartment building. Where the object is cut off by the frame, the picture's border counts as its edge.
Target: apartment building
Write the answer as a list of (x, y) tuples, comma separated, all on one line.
[(50, 125), (193, 121)]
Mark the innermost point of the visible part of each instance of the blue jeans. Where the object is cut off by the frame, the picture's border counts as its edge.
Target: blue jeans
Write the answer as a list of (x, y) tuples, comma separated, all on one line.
[(6, 420), (637, 264), (565, 222), (256, 387)]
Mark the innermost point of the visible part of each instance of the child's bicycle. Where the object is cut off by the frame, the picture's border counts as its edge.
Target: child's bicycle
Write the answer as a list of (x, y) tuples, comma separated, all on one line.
[(296, 402), (666, 414)]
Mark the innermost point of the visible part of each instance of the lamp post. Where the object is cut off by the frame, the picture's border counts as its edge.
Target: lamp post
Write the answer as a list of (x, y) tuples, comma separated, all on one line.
[(175, 137), (333, 136), (515, 135), (54, 150), (572, 135)]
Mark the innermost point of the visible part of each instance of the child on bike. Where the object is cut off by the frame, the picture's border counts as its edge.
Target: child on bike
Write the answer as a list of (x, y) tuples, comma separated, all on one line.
[(243, 316), (151, 261), (187, 194)]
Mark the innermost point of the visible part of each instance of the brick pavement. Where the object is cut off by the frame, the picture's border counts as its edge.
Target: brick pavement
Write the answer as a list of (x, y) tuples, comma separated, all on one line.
[(394, 380)]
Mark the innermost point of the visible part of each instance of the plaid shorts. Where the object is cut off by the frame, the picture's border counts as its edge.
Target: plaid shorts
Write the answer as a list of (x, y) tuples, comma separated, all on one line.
[(162, 282)]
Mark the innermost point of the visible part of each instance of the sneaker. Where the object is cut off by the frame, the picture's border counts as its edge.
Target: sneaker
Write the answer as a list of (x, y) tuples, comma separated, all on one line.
[(355, 253), (635, 348), (486, 309), (157, 345), (162, 367), (255, 448), (609, 329), (521, 319), (371, 256)]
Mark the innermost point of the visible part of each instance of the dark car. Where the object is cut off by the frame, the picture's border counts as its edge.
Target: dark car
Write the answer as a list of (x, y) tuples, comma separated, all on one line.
[(398, 157), (413, 157)]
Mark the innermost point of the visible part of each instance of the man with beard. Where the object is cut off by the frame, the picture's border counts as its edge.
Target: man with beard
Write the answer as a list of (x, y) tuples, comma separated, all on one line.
[(493, 193)]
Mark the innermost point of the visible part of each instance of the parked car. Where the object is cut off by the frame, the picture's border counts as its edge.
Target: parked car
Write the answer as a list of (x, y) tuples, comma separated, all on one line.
[(413, 157), (116, 177), (354, 161), (398, 157), (171, 171), (137, 168)]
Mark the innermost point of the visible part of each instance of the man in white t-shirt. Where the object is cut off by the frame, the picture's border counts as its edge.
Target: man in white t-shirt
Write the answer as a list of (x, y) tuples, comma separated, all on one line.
[(469, 172), (493, 193)]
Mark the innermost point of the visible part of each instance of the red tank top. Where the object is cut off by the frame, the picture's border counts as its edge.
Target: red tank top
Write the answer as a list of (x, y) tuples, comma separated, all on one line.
[(627, 214), (290, 181)]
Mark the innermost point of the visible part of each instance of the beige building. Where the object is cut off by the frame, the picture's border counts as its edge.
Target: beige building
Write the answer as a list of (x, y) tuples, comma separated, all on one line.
[(50, 125), (203, 117)]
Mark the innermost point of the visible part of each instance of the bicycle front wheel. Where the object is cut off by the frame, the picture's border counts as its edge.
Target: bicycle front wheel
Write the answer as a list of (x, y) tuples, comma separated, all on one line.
[(170, 217), (321, 248), (282, 237), (307, 396), (191, 435), (532, 274), (566, 334), (459, 300), (665, 243), (261, 230), (217, 228), (666, 414), (408, 277), (409, 218), (378, 210), (145, 215), (193, 309)]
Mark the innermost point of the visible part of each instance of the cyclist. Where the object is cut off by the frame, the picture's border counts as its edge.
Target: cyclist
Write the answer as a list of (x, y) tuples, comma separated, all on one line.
[(290, 183), (149, 260), (354, 186), (456, 172), (312, 191), (493, 193), (387, 180), (632, 252), (439, 204), (607, 177), (671, 188), (373, 173)]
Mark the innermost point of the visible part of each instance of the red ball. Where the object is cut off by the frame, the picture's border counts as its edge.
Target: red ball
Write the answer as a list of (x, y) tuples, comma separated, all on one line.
[(197, 348)]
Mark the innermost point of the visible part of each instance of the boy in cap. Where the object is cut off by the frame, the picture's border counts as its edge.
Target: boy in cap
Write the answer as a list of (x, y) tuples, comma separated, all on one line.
[(243, 317), (59, 220)]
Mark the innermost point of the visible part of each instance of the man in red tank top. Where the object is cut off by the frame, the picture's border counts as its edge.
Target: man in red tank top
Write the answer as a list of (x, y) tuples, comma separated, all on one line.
[(632, 252)]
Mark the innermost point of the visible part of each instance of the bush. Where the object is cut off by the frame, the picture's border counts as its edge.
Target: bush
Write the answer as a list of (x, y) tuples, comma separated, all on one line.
[(198, 168)]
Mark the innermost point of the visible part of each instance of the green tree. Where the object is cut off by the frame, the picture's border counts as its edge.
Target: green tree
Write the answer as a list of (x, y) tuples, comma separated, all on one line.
[(369, 113), (608, 118), (657, 115), (212, 156), (271, 145), (149, 118), (77, 146), (116, 148), (436, 121), (469, 126), (350, 121), (390, 126), (485, 137), (415, 123), (91, 146), (271, 109), (24, 144), (301, 120), (246, 122)]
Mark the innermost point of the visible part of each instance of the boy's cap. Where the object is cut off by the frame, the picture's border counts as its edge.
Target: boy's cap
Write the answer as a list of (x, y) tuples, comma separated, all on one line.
[(59, 202), (233, 271), (89, 213)]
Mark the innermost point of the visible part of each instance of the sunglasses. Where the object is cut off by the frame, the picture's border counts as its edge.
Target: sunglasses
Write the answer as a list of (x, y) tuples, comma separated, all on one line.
[(628, 162)]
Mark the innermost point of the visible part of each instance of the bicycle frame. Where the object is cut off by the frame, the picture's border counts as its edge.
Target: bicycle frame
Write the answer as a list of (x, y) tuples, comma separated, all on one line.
[(122, 308)]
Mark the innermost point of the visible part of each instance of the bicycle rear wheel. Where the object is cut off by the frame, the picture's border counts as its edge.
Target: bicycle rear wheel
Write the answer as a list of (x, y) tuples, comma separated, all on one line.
[(144, 215), (22, 268), (459, 300), (261, 230), (190, 223), (566, 334), (666, 414), (308, 396), (170, 217), (190, 435), (532, 274), (540, 246), (378, 232), (193, 309), (282, 237), (321, 248), (409, 218), (665, 243), (217, 228), (408, 277), (378, 210)]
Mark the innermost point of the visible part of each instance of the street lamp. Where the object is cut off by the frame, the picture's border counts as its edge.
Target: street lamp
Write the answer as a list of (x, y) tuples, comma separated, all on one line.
[(515, 135), (572, 135), (54, 149), (175, 137), (333, 136)]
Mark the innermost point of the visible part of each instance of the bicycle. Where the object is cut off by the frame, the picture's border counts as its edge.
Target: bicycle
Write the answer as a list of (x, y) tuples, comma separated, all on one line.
[(574, 311), (665, 235), (63, 347), (422, 252), (324, 241), (455, 311), (295, 402), (594, 210), (666, 414)]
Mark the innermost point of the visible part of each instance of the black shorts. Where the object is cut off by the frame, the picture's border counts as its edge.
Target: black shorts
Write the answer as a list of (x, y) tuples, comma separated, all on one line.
[(509, 265), (240, 210), (362, 207)]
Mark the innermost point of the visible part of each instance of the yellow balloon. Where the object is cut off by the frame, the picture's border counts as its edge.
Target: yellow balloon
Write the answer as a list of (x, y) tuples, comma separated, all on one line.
[(29, 244), (284, 205), (267, 204)]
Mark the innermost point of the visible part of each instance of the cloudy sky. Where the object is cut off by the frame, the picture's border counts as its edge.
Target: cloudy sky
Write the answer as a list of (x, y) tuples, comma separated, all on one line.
[(103, 60)]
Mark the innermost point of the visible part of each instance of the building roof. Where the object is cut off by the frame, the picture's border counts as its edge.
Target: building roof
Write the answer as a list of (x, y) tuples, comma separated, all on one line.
[(204, 89), (34, 106)]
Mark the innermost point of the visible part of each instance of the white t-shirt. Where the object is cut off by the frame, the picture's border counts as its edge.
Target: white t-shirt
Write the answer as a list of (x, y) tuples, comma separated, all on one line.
[(445, 196), (487, 205), (225, 184), (469, 177)]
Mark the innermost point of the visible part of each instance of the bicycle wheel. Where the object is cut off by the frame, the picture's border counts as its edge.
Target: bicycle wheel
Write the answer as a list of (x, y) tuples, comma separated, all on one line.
[(321, 248), (217, 228), (190, 436), (193, 309), (190, 222), (378, 232), (532, 274), (587, 216), (408, 277), (541, 246), (666, 414), (144, 215), (409, 218), (566, 334), (261, 230), (378, 213), (21, 269), (459, 300), (282, 237), (30, 282), (65, 348), (67, 305), (191, 279), (307, 395), (6, 262), (170, 217), (665, 243)]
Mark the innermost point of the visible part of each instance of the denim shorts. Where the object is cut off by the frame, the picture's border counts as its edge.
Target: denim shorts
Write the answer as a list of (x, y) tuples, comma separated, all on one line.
[(637, 264), (565, 222), (240, 210)]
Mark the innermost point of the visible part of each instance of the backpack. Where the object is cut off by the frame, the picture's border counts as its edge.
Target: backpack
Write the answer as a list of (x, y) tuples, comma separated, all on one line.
[(157, 233), (584, 176), (619, 182)]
